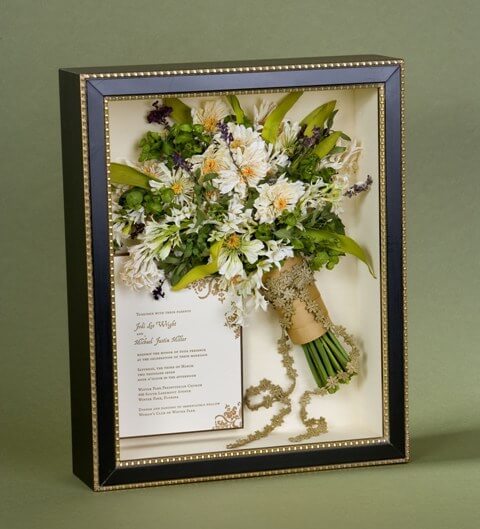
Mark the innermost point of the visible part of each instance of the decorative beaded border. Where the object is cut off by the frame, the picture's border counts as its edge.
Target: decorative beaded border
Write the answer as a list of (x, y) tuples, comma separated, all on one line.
[(383, 267)]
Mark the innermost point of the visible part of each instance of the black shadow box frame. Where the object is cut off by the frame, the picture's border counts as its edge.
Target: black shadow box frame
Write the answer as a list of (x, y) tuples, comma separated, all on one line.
[(82, 93)]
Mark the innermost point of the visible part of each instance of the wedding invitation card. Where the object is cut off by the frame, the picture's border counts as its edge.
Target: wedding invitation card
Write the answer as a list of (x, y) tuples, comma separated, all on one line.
[(179, 365)]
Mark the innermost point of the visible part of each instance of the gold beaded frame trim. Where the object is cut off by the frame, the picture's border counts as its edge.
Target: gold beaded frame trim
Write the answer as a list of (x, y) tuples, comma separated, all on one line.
[(384, 334), (259, 451)]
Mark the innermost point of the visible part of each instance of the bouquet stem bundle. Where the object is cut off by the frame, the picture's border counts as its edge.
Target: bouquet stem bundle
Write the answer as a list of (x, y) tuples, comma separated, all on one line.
[(304, 317), (328, 361)]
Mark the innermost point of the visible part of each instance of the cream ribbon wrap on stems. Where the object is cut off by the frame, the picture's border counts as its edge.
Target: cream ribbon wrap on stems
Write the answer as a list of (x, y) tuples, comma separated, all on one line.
[(303, 318)]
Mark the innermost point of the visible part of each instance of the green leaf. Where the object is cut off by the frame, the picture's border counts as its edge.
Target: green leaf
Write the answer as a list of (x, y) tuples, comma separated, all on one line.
[(283, 233), (128, 176), (340, 243), (201, 271), (235, 104), (326, 145), (337, 150), (181, 112), (317, 117), (273, 120)]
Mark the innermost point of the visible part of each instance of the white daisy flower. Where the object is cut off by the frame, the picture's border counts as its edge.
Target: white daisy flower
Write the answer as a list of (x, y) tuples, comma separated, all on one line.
[(229, 262), (210, 113), (277, 198), (178, 180)]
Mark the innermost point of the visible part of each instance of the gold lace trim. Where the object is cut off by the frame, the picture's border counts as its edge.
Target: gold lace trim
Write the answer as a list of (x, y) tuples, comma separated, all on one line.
[(210, 286), (281, 292)]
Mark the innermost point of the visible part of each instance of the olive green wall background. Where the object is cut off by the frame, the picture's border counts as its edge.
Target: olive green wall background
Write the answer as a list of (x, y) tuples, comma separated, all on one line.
[(439, 40)]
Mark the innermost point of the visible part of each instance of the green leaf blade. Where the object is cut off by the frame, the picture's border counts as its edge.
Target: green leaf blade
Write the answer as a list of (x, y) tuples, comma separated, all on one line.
[(273, 120), (181, 113), (237, 109), (339, 242), (317, 117), (125, 175), (201, 271), (327, 145)]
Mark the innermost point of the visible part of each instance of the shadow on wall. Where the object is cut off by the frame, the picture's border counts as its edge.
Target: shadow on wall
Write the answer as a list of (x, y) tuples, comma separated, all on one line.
[(446, 446)]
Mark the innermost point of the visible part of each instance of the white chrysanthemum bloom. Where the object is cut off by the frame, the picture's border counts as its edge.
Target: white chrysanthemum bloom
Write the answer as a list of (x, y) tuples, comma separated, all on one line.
[(346, 162), (215, 159), (123, 219), (243, 296), (277, 160), (140, 270), (229, 262), (120, 231), (242, 137), (136, 216), (235, 309), (261, 111), (160, 238), (274, 199), (123, 223), (249, 288), (152, 168), (120, 223), (313, 197), (288, 136), (210, 113), (251, 166), (236, 219), (336, 192), (178, 180), (277, 252), (117, 192), (179, 216)]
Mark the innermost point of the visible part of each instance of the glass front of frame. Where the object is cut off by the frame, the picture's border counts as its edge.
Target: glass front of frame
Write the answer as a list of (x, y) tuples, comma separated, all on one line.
[(181, 374)]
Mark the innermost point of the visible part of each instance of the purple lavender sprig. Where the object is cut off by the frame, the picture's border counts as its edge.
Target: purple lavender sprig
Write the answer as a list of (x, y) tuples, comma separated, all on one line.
[(226, 136), (159, 114), (356, 189), (314, 139), (180, 162), (137, 229), (159, 292)]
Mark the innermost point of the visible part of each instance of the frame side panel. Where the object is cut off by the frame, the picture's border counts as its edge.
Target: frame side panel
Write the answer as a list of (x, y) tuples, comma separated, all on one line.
[(75, 241), (101, 284), (395, 262), (262, 63)]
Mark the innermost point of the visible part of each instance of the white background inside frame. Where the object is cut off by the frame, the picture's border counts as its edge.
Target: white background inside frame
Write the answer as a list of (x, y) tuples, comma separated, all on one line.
[(350, 293)]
